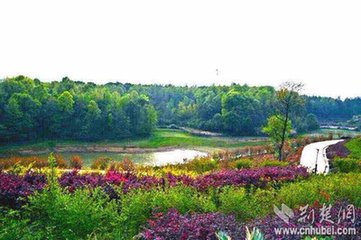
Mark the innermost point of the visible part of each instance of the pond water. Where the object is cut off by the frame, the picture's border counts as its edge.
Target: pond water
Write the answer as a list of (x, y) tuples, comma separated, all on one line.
[(154, 159)]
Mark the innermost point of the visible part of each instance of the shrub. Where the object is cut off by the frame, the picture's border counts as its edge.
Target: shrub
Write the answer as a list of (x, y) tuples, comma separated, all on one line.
[(14, 189), (273, 163), (243, 163), (172, 225), (245, 206), (76, 162), (60, 162), (125, 165), (101, 163), (257, 177), (346, 165), (307, 192), (200, 165), (34, 161), (72, 216), (354, 147)]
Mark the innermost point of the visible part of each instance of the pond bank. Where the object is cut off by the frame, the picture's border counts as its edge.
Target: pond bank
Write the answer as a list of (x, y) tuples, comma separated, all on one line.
[(90, 149)]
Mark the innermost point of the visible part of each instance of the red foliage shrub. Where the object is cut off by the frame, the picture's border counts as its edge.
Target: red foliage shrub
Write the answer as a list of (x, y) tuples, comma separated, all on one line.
[(76, 162)]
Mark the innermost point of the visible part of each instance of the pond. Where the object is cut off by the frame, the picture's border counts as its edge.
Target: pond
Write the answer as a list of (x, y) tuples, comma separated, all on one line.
[(154, 158)]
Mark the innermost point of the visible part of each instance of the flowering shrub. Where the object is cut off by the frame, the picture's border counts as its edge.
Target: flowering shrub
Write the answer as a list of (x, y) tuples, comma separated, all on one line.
[(124, 165), (337, 150), (172, 225), (101, 163), (35, 161), (13, 188), (72, 180), (258, 177), (76, 162)]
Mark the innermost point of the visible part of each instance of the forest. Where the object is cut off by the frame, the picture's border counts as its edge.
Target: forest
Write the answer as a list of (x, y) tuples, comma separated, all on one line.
[(31, 109)]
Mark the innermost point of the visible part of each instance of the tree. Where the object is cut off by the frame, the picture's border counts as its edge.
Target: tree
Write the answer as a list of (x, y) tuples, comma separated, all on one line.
[(277, 132), (312, 122), (66, 101), (287, 99)]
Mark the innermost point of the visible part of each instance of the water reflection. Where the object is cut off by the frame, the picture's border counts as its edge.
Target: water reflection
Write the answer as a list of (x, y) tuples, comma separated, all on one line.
[(174, 157)]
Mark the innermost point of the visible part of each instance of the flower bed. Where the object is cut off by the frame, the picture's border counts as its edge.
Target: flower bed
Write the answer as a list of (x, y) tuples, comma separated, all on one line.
[(337, 150), (172, 225), (13, 188), (258, 177)]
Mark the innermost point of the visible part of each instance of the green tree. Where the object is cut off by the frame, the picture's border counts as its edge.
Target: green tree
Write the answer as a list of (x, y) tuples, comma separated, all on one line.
[(288, 99), (312, 122), (277, 132), (66, 102)]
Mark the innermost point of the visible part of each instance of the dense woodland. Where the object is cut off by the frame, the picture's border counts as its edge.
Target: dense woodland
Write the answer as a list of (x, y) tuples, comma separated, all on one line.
[(66, 109)]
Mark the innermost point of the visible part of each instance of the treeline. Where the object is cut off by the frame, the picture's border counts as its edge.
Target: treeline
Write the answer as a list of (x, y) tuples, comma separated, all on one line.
[(326, 108), (31, 109)]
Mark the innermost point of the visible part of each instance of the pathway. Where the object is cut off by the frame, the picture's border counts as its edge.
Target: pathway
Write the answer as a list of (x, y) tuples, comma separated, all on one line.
[(315, 153)]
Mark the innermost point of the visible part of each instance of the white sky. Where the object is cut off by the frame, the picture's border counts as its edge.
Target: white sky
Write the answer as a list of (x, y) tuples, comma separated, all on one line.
[(184, 42)]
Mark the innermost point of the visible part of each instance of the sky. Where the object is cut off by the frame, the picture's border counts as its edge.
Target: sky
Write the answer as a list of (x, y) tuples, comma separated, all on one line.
[(185, 42)]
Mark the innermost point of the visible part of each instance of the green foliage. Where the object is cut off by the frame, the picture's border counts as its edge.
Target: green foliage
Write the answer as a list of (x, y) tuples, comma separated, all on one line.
[(222, 236), (322, 189), (277, 132), (101, 163), (72, 216), (346, 165), (354, 146), (254, 235), (90, 214), (274, 128), (66, 109), (311, 122), (243, 163), (31, 109), (273, 163)]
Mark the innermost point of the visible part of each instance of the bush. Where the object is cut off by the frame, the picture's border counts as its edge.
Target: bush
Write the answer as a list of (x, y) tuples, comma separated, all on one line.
[(76, 162), (101, 163), (201, 165), (14, 189), (172, 225), (125, 165), (245, 206), (72, 216), (60, 162), (273, 163), (346, 165), (243, 163), (322, 189), (33, 161)]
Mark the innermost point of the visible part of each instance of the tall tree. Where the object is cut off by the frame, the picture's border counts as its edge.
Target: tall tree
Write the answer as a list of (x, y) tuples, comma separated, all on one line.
[(288, 97)]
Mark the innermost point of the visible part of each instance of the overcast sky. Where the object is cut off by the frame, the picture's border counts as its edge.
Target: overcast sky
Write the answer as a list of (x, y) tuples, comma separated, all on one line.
[(184, 42)]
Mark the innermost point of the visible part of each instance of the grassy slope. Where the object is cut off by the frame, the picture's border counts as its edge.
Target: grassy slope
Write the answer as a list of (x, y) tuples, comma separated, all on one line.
[(354, 146), (160, 138)]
